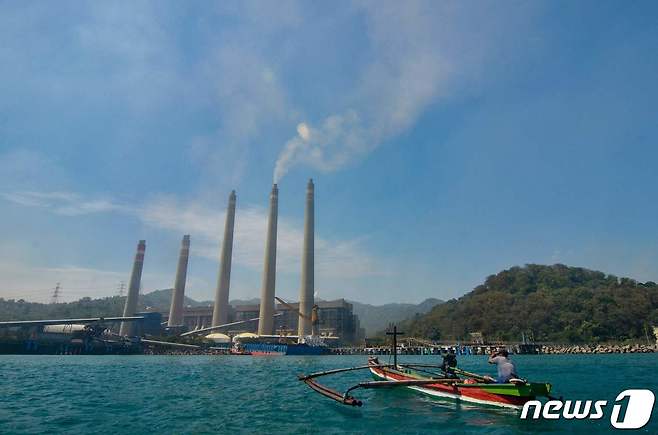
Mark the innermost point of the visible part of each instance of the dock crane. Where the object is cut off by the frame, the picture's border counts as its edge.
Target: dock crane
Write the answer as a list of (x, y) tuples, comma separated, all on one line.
[(315, 319)]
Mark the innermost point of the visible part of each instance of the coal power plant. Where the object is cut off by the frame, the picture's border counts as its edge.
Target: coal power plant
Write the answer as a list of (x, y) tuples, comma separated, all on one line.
[(220, 311), (178, 295), (308, 266), (272, 327), (266, 336), (133, 289), (266, 319)]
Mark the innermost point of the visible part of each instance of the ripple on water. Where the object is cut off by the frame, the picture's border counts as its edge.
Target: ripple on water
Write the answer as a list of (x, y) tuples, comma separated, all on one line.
[(220, 394)]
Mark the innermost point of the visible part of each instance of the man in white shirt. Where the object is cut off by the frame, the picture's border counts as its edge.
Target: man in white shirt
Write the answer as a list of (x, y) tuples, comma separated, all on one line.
[(506, 368)]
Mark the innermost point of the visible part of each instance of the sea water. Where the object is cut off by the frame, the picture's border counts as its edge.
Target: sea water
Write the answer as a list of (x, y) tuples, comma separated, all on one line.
[(243, 394)]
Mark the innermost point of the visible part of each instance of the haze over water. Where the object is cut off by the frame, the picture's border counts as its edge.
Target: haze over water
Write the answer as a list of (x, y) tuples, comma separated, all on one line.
[(219, 394)]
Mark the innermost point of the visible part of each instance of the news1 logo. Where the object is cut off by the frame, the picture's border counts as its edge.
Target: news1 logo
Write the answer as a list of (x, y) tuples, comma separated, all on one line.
[(634, 415)]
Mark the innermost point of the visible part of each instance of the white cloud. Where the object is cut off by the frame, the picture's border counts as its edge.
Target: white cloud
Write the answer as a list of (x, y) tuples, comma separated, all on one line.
[(23, 281), (335, 259), (63, 203)]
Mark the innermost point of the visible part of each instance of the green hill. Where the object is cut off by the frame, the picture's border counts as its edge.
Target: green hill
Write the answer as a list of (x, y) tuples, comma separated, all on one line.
[(160, 300), (548, 303), (83, 308)]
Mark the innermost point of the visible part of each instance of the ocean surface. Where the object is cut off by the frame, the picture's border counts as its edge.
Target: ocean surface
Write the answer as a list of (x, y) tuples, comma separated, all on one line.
[(225, 394)]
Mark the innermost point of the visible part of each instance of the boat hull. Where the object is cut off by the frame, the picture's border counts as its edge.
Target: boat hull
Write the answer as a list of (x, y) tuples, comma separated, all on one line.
[(499, 395), (270, 349)]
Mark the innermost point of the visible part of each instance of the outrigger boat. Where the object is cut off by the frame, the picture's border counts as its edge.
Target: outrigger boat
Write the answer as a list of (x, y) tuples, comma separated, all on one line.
[(442, 381)]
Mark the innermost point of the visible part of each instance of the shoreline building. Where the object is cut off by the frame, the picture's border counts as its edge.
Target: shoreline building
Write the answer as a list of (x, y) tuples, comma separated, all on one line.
[(336, 318)]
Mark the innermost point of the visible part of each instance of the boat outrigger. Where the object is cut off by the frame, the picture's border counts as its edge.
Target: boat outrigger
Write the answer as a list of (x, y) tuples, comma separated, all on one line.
[(443, 381)]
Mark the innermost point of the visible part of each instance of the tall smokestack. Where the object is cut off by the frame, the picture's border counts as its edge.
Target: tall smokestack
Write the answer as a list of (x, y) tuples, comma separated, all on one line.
[(129, 309), (308, 262), (176, 311), (266, 318), (220, 312)]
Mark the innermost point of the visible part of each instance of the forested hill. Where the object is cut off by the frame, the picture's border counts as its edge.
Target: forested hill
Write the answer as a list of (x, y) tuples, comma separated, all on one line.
[(83, 308), (551, 303)]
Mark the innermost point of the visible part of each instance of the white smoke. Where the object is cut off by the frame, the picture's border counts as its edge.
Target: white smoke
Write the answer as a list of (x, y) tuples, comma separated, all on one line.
[(421, 54), (304, 132), (405, 76), (325, 148)]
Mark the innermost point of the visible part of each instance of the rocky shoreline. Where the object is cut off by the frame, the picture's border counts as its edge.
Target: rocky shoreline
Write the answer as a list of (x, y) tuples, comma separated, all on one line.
[(527, 349), (598, 348)]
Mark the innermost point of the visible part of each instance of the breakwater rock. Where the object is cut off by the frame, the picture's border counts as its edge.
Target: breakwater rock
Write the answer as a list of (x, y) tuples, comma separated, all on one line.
[(597, 348), (536, 349)]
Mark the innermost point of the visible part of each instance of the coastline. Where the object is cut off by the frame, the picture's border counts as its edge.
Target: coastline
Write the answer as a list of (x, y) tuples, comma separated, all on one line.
[(522, 349)]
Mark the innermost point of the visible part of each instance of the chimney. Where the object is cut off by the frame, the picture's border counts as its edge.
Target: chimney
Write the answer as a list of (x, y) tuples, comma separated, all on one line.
[(177, 297), (266, 318), (220, 312), (308, 261), (129, 309)]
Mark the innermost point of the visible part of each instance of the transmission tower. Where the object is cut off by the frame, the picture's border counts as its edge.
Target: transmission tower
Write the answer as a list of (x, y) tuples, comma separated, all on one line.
[(56, 294), (122, 287)]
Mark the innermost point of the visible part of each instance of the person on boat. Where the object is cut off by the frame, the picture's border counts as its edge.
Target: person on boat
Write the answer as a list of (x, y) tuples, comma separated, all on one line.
[(448, 364), (506, 368)]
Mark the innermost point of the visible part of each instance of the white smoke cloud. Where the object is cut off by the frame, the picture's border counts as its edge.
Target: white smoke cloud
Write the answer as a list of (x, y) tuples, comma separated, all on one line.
[(403, 78), (421, 54), (327, 147), (304, 132)]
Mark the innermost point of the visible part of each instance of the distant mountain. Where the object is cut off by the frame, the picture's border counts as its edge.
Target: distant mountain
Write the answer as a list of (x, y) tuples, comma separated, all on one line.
[(160, 300), (375, 318), (240, 302)]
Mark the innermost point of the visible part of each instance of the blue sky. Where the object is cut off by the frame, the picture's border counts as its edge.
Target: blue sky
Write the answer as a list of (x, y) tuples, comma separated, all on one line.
[(447, 140)]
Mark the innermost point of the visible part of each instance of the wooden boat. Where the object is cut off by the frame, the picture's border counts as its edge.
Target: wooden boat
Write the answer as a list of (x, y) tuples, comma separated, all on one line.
[(470, 388), (444, 381)]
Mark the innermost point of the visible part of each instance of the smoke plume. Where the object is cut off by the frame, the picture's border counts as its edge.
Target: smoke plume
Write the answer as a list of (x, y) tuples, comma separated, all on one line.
[(405, 76)]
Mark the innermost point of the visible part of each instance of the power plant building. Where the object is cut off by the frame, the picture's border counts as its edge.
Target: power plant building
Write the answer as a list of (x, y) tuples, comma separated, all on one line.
[(336, 318)]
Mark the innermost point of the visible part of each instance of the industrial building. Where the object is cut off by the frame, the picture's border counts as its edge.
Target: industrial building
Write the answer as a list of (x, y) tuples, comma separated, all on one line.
[(336, 319)]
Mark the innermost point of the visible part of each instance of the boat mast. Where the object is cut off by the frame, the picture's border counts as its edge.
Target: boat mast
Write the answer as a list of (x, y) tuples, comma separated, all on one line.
[(395, 334)]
